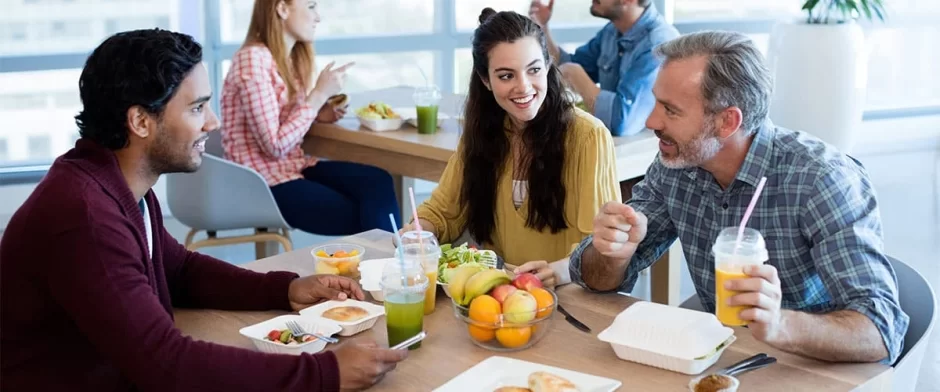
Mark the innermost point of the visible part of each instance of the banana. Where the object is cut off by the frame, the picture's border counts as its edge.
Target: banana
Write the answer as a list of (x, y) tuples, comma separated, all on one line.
[(481, 283), (459, 279)]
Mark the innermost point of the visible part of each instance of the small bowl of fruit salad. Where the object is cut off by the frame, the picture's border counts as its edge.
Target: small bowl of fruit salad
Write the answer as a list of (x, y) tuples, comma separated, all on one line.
[(338, 259), (272, 336)]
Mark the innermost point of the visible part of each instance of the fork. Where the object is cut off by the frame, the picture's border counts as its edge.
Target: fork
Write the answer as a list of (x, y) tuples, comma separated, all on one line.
[(298, 331)]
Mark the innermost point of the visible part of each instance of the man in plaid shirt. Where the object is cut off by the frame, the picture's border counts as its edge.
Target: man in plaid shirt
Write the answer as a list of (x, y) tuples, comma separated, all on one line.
[(827, 291)]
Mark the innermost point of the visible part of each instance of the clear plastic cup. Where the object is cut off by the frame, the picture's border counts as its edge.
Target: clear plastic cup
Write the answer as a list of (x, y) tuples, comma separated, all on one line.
[(422, 247), (427, 99), (403, 286), (730, 260)]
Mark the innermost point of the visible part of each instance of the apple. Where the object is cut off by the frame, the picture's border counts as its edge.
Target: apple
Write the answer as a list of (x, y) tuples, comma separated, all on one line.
[(502, 292), (527, 281), (520, 307)]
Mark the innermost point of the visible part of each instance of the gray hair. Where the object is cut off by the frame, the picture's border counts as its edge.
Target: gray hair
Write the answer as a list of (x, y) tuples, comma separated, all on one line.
[(735, 75)]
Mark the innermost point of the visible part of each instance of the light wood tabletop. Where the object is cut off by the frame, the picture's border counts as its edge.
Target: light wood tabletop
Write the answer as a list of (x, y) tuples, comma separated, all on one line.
[(447, 351)]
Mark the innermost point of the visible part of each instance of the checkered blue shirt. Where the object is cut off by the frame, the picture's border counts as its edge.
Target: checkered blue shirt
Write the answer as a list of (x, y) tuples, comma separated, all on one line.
[(818, 215)]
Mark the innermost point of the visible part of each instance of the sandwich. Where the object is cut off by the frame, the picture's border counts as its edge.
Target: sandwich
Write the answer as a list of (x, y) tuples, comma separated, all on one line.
[(346, 314), (338, 101), (547, 382)]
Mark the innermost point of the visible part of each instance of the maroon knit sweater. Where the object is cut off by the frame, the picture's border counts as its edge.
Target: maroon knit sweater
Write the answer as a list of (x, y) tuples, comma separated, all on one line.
[(83, 306)]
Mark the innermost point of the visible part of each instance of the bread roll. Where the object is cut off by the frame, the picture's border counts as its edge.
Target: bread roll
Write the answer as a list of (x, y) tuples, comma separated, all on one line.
[(346, 314), (547, 382)]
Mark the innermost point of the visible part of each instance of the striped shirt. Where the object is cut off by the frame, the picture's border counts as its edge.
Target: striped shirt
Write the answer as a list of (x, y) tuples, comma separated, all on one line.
[(261, 127), (818, 214)]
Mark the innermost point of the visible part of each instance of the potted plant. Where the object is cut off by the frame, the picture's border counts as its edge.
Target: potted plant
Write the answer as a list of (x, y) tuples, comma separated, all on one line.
[(820, 65)]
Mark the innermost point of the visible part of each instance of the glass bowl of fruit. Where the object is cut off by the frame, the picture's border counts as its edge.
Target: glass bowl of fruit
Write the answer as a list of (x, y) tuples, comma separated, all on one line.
[(500, 314), (338, 259)]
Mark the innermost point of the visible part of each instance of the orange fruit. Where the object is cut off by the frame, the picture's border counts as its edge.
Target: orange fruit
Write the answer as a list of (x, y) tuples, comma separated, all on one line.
[(322, 253), (513, 337), (485, 309), (346, 267), (355, 252), (543, 300), (481, 334), (340, 253)]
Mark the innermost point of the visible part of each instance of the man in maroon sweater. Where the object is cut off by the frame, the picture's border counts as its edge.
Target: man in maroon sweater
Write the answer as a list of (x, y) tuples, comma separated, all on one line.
[(88, 281)]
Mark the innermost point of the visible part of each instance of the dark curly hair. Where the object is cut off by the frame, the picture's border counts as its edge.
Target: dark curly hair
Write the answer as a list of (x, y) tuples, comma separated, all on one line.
[(134, 68), (486, 146)]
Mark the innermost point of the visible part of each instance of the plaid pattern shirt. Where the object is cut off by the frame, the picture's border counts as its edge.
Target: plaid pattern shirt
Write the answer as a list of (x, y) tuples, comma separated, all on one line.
[(818, 215), (261, 127)]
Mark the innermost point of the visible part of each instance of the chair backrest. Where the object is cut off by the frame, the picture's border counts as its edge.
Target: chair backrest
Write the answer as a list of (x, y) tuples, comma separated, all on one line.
[(214, 144), (919, 302), (222, 195)]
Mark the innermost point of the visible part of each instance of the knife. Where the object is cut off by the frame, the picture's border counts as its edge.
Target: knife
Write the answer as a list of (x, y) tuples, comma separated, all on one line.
[(573, 321)]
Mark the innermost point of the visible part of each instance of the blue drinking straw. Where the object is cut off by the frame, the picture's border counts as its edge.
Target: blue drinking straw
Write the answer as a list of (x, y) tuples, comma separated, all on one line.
[(400, 251)]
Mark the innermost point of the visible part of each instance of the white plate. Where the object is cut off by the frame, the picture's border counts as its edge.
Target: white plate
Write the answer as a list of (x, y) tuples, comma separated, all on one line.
[(495, 372), (349, 328)]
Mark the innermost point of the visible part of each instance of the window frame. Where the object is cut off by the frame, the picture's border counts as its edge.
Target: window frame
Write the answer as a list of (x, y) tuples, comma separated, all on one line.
[(202, 20)]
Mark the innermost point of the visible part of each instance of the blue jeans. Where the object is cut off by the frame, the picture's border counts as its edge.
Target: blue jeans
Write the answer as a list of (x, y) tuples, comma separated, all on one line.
[(338, 198)]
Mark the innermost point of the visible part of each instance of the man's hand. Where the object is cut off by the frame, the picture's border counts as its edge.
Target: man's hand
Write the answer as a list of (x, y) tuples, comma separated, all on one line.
[(618, 230), (541, 13), (362, 365), (313, 289), (762, 291), (581, 83), (541, 270)]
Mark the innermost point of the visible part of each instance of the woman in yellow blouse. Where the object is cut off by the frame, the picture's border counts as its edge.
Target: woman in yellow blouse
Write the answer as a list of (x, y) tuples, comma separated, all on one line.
[(531, 170)]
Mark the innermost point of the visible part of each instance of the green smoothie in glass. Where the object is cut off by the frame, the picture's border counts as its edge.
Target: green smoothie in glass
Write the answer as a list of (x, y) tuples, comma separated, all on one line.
[(403, 284), (427, 100)]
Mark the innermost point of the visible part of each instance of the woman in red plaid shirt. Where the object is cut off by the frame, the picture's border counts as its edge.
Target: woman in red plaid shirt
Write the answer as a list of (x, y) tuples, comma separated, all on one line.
[(269, 102)]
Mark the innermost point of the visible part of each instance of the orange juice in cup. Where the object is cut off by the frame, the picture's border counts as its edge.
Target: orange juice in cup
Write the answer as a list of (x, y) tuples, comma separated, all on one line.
[(422, 247), (731, 257)]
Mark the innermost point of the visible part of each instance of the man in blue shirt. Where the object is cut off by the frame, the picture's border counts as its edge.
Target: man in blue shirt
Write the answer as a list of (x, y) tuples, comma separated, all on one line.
[(619, 58), (827, 290)]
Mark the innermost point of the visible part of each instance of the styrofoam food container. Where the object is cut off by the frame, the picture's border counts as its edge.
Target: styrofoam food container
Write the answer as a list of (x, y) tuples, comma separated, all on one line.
[(667, 337), (375, 291), (381, 125), (348, 328), (257, 332)]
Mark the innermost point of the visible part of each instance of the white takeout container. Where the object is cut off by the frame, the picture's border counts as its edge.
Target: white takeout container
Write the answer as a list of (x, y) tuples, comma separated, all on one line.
[(348, 328), (671, 338), (381, 125), (258, 332), (370, 272)]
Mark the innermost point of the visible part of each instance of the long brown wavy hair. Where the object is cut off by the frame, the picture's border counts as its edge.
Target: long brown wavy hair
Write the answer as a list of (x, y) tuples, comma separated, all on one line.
[(487, 147)]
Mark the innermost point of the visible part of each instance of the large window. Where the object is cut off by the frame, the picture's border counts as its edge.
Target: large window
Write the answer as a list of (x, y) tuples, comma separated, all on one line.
[(43, 45)]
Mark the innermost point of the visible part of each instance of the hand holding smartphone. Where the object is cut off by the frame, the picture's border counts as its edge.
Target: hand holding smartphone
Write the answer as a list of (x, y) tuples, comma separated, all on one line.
[(412, 340)]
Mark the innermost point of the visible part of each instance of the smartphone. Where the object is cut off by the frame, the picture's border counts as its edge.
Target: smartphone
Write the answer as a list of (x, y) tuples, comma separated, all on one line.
[(412, 340)]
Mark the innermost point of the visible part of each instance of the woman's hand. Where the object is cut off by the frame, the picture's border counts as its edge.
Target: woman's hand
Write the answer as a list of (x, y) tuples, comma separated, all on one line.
[(330, 82), (541, 270), (330, 114)]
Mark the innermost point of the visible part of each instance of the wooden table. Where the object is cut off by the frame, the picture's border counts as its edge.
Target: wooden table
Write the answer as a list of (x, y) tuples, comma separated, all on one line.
[(448, 352), (407, 155)]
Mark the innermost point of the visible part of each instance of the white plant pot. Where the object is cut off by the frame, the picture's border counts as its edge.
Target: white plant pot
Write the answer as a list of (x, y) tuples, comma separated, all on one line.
[(821, 75)]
